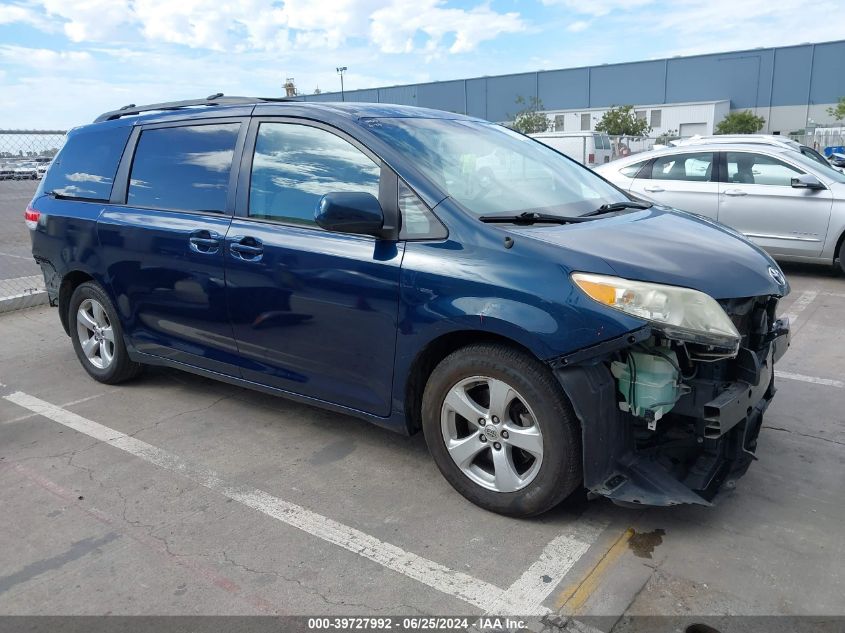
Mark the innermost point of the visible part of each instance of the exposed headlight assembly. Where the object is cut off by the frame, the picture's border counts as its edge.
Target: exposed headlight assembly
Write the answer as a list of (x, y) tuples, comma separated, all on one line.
[(679, 313)]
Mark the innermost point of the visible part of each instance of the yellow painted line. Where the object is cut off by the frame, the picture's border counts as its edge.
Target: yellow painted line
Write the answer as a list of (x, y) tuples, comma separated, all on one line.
[(573, 597)]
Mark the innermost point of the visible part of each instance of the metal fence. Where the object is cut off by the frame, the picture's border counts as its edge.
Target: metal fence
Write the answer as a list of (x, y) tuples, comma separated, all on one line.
[(821, 139), (27, 145), (24, 156), (622, 146)]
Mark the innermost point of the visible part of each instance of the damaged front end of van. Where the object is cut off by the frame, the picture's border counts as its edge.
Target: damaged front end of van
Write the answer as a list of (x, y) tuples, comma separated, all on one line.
[(670, 413)]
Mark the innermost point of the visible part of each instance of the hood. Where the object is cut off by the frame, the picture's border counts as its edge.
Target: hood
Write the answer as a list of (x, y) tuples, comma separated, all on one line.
[(669, 247)]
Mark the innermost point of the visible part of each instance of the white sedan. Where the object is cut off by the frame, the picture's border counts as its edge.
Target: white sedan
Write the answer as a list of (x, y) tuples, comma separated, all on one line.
[(789, 204)]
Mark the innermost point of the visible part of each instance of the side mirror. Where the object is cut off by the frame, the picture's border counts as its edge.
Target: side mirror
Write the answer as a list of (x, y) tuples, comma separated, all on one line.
[(350, 212), (807, 181)]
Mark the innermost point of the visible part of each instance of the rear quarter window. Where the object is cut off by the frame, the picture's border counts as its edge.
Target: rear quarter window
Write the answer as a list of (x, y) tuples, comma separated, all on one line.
[(631, 171), (86, 165)]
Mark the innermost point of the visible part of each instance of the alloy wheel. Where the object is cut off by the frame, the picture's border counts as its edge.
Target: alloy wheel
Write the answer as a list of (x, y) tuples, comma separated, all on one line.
[(491, 434), (96, 335)]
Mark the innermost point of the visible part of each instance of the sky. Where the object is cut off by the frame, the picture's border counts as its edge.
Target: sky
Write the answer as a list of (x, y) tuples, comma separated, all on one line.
[(63, 62)]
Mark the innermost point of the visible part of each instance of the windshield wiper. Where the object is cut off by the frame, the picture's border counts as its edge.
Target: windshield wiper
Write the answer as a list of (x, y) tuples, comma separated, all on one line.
[(532, 217), (529, 217), (619, 206)]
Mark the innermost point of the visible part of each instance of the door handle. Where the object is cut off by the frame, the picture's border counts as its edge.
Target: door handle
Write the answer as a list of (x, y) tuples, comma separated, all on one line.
[(734, 192), (204, 242), (246, 248), (653, 189)]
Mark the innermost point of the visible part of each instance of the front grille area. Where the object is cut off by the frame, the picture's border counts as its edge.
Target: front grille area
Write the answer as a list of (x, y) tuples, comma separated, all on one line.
[(753, 318)]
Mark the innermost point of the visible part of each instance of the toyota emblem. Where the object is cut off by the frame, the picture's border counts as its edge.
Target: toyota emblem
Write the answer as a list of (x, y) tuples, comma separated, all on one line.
[(777, 275)]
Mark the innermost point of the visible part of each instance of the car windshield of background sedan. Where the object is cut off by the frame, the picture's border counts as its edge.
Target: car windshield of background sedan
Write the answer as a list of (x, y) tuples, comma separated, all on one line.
[(489, 169)]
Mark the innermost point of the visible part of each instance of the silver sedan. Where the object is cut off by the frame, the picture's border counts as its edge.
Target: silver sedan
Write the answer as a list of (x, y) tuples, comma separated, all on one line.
[(790, 205)]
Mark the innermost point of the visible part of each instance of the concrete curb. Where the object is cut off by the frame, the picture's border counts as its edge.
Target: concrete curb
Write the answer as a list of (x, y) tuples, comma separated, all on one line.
[(22, 292)]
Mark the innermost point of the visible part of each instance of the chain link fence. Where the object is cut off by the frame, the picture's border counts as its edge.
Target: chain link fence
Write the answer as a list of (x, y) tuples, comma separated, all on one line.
[(24, 157)]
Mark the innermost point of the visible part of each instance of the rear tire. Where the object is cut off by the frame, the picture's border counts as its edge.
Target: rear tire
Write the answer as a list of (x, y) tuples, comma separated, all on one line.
[(525, 457), (97, 336)]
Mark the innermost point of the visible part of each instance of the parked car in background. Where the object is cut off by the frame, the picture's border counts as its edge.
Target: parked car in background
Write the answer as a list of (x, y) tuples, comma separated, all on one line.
[(41, 169), (7, 171), (588, 148), (837, 159), (421, 270), (754, 139), (26, 171), (779, 198)]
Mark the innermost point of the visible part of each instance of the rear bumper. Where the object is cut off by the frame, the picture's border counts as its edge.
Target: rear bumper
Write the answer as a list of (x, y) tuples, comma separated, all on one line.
[(705, 444)]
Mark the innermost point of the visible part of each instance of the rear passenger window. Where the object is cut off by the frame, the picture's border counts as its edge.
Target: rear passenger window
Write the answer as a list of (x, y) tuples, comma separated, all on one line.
[(184, 168), (86, 165), (691, 167), (295, 165)]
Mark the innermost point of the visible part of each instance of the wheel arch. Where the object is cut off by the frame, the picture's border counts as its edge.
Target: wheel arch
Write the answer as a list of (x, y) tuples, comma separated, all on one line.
[(428, 358), (70, 282), (838, 250)]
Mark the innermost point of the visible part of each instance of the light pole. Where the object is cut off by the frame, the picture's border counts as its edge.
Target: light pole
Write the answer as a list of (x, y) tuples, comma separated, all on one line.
[(340, 71)]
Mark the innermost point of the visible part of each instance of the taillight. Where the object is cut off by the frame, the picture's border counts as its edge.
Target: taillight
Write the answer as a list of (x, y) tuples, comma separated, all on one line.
[(591, 158), (31, 216)]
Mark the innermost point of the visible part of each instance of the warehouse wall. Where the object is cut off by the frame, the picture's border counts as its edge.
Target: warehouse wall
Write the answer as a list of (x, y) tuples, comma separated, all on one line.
[(778, 80)]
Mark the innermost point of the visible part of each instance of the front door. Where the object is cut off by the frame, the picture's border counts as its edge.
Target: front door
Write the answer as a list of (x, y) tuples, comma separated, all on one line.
[(757, 198), (685, 181), (314, 312), (163, 248)]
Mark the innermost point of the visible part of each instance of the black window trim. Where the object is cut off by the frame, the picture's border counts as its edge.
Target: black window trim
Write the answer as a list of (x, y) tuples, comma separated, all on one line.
[(120, 190), (388, 179)]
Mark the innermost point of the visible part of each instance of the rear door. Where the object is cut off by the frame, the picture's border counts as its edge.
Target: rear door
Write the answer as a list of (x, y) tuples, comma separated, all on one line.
[(757, 199), (314, 312), (686, 181), (162, 240)]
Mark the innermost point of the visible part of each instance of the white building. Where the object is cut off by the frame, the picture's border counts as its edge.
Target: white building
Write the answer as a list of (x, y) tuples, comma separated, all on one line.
[(682, 119)]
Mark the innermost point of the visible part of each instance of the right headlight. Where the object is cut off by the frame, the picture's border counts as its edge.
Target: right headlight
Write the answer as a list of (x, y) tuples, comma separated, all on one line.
[(680, 313)]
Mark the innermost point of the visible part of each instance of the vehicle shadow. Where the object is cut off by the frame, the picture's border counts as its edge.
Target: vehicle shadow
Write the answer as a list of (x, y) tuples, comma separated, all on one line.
[(811, 271)]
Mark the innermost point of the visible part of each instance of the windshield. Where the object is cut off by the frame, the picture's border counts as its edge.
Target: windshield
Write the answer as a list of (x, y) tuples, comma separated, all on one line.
[(489, 169)]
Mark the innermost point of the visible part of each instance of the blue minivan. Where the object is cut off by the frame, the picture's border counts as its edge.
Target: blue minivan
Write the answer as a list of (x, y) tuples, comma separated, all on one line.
[(424, 271)]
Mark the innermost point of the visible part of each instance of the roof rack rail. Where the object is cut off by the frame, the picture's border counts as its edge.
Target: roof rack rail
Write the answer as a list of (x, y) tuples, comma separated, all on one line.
[(211, 100)]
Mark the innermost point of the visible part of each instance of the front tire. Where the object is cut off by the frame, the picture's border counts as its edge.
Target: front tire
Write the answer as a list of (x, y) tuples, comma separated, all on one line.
[(98, 336), (842, 257), (501, 430)]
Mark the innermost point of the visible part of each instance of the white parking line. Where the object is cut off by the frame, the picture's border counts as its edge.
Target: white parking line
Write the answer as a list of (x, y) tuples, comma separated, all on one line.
[(828, 382), (531, 589), (21, 418), (527, 596), (18, 256), (800, 304)]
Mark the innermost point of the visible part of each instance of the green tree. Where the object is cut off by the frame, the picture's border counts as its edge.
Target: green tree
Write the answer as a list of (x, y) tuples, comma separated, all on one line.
[(745, 122), (531, 118), (838, 111), (623, 121)]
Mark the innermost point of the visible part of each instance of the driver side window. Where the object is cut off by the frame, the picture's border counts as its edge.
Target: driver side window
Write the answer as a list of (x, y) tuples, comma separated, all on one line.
[(759, 169), (295, 165)]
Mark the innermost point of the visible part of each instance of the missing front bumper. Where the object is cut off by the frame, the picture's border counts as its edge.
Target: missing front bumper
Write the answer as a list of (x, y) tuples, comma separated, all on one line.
[(706, 444)]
